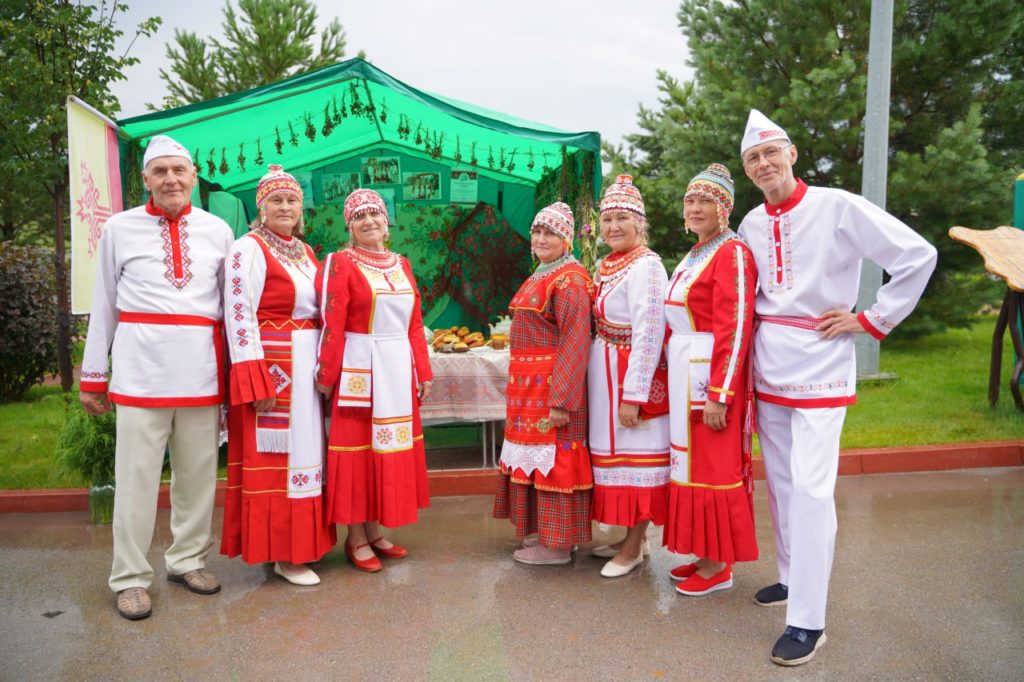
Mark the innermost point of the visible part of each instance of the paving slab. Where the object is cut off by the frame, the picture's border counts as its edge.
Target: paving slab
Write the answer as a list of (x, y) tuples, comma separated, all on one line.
[(927, 584)]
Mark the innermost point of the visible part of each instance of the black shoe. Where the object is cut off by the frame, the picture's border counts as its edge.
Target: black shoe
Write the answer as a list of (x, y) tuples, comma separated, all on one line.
[(797, 646), (773, 595)]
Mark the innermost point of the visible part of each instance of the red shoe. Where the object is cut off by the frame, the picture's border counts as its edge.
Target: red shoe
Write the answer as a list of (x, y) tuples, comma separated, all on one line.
[(683, 571), (697, 586), (371, 565), (392, 552)]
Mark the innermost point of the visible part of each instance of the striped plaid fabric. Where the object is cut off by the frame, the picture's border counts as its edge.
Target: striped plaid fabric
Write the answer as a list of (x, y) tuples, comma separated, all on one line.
[(562, 520)]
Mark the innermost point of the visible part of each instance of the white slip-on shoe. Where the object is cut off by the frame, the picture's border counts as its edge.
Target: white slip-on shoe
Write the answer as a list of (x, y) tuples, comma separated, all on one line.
[(297, 575), (607, 551), (614, 570)]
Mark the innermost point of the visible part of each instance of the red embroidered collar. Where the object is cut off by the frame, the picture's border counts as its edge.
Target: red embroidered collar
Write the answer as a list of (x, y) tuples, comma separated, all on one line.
[(791, 201), (154, 210)]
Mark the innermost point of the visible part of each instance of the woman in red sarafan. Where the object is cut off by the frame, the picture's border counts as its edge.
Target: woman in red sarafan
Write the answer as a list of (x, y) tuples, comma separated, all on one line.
[(709, 309), (545, 479), (273, 510), (374, 369)]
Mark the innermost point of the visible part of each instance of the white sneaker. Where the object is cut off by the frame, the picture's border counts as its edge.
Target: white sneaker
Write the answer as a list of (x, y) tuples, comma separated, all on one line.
[(296, 575)]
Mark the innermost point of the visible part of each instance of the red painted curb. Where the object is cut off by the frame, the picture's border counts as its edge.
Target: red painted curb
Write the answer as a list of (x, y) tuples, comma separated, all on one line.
[(483, 481)]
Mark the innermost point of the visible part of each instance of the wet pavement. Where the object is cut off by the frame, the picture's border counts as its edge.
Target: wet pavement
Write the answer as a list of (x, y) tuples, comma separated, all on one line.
[(928, 584)]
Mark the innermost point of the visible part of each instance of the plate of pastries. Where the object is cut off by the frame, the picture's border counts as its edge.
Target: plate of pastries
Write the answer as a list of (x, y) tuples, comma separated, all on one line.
[(461, 340)]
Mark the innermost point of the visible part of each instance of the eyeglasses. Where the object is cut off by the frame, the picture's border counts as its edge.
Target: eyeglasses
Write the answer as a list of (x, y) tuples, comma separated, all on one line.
[(771, 154)]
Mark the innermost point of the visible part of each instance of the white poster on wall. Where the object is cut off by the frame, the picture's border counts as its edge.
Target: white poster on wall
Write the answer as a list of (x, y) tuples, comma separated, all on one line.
[(464, 186)]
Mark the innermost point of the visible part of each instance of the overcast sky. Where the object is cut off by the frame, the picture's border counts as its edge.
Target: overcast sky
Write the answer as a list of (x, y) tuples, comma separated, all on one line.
[(573, 64)]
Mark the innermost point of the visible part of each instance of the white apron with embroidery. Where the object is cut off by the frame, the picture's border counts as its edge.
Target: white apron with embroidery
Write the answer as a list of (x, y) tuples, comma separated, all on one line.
[(376, 371), (689, 361)]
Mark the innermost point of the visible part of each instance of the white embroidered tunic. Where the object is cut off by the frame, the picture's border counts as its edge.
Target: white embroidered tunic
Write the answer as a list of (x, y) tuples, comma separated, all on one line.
[(808, 252), (629, 314), (157, 308)]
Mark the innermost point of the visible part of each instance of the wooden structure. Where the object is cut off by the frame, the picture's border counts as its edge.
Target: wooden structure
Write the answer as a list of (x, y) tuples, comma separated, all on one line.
[(1003, 251)]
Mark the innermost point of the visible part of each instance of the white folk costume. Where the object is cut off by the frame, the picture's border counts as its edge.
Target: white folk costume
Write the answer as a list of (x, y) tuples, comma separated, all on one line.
[(709, 309), (273, 510), (373, 354), (627, 365), (157, 312), (545, 481), (808, 251)]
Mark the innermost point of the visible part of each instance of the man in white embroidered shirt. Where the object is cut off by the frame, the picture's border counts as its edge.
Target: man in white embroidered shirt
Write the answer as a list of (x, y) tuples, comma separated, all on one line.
[(157, 314), (808, 243)]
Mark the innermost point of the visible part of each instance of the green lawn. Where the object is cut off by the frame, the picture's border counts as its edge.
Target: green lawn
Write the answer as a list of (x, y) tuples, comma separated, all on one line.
[(939, 397)]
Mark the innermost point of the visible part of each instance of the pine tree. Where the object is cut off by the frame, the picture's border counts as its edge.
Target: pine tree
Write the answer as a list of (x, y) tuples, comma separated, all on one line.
[(955, 133), (264, 41)]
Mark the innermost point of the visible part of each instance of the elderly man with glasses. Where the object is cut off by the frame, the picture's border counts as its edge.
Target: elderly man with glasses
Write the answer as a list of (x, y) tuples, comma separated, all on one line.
[(808, 244)]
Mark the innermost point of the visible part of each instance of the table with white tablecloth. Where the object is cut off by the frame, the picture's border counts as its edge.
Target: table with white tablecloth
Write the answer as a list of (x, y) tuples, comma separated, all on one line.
[(469, 387)]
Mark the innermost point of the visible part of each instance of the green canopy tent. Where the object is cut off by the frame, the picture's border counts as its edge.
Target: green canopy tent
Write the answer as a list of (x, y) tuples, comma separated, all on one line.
[(462, 182)]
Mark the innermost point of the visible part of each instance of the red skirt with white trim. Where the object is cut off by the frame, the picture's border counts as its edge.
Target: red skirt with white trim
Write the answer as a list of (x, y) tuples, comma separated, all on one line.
[(628, 506)]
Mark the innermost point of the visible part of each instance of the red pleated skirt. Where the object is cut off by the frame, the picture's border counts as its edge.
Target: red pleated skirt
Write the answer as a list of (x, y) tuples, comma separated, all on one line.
[(363, 485), (628, 506), (714, 516), (260, 521)]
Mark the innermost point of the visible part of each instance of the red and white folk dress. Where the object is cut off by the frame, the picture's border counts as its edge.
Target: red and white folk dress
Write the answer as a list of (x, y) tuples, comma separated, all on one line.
[(709, 309), (373, 354), (273, 510), (631, 465), (545, 478)]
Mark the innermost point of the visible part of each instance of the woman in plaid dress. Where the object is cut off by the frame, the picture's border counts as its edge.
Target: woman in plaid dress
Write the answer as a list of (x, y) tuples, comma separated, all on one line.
[(545, 480)]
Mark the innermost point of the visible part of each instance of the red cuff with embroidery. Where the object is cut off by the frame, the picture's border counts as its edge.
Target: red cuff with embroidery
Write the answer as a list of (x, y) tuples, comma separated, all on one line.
[(869, 328), (250, 381)]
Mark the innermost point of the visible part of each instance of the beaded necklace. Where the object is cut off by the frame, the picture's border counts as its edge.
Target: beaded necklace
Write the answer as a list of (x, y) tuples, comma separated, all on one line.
[(701, 251), (615, 265), (287, 251), (545, 268), (380, 261)]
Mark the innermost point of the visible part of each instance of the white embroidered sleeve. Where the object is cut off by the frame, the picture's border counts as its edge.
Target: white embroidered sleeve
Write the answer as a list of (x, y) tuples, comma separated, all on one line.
[(900, 251), (245, 276), (645, 292), (102, 316)]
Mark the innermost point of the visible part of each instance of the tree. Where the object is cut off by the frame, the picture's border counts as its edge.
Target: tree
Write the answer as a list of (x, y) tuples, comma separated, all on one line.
[(957, 94), (270, 40), (52, 49)]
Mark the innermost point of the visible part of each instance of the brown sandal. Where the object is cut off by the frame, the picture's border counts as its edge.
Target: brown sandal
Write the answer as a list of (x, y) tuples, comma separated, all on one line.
[(134, 604)]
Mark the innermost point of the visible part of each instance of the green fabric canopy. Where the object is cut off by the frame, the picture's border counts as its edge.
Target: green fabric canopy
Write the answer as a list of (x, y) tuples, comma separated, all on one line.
[(360, 108), (342, 124)]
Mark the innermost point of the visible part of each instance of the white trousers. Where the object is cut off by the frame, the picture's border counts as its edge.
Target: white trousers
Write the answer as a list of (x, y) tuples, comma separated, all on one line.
[(801, 460), (142, 436)]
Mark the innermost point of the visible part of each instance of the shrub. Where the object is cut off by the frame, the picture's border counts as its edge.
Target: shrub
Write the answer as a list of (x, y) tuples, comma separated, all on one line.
[(28, 320), (86, 444)]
